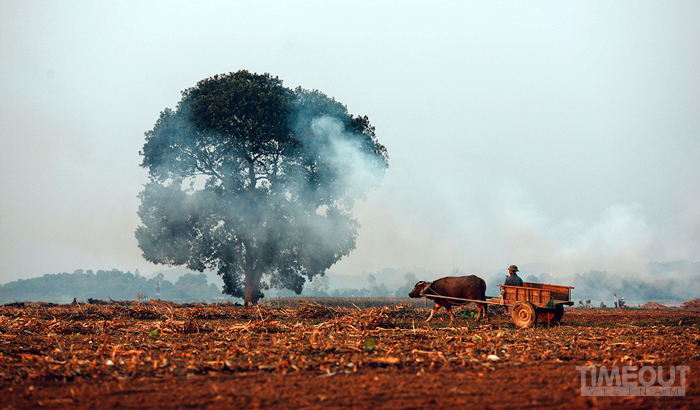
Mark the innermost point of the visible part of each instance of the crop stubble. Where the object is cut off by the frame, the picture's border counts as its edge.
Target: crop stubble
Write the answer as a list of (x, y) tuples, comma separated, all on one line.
[(163, 356)]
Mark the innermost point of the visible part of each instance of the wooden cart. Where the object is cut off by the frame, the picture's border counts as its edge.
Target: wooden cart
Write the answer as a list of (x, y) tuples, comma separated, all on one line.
[(527, 303), (534, 301)]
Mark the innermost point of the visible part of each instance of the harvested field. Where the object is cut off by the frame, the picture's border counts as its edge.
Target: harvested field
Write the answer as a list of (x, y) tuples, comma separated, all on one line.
[(313, 356), (691, 304), (653, 305)]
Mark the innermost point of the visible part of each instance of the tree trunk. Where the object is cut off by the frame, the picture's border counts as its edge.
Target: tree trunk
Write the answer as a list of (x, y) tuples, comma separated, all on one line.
[(251, 290), (252, 284), (252, 269)]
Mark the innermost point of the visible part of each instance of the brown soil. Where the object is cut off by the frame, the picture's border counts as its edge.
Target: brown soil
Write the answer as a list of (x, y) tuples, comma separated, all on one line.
[(165, 356)]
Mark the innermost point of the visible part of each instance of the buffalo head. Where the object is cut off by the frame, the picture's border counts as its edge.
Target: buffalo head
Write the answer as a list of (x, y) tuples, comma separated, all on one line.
[(417, 292)]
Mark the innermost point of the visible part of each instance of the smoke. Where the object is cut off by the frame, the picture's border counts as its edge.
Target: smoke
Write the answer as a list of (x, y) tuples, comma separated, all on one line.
[(484, 229), (620, 240), (354, 168)]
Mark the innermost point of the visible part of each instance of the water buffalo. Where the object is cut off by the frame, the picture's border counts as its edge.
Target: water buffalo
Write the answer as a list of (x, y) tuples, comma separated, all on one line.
[(463, 287)]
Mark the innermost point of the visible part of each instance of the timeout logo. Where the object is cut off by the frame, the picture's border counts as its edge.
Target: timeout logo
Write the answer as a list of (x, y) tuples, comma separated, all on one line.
[(633, 381)]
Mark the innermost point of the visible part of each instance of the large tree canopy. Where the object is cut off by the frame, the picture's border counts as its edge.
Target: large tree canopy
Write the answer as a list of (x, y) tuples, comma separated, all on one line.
[(257, 181)]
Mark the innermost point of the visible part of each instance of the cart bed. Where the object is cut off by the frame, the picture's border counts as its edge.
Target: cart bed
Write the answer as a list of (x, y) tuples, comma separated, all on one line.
[(539, 294)]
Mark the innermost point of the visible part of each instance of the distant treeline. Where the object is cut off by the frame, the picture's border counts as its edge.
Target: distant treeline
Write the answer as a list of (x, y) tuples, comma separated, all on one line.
[(660, 281), (319, 287), (105, 285)]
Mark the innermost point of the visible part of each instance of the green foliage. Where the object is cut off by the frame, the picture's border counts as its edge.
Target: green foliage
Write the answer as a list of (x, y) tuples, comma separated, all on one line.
[(105, 285), (468, 314), (257, 181), (370, 344)]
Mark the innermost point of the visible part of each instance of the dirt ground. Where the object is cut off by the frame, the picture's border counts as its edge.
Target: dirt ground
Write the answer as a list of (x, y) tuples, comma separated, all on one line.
[(166, 356)]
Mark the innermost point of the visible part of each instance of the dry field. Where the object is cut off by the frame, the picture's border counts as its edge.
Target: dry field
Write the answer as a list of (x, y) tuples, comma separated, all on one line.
[(311, 356)]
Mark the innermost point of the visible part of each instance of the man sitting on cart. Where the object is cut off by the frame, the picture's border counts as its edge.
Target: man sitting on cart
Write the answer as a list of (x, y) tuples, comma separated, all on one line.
[(513, 279)]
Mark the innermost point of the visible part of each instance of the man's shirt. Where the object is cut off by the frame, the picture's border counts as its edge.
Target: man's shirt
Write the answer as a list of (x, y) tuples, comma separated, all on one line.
[(514, 280)]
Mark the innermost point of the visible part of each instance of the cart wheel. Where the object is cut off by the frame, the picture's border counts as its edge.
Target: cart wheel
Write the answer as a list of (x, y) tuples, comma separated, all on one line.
[(524, 314), (550, 316)]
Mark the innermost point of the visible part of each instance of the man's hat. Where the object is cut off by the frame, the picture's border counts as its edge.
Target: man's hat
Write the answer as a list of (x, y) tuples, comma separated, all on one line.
[(513, 268)]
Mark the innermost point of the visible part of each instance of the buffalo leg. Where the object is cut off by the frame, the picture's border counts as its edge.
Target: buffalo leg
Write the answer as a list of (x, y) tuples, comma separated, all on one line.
[(448, 307), (435, 309), (482, 310)]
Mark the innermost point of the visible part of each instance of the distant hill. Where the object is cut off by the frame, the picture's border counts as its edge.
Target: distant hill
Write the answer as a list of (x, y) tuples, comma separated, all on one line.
[(113, 284)]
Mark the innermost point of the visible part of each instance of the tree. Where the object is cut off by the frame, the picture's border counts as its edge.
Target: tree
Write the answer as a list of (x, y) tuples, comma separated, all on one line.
[(193, 287), (256, 181), (410, 281)]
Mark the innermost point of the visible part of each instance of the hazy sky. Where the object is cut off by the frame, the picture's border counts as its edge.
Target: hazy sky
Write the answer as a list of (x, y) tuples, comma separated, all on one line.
[(564, 133)]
